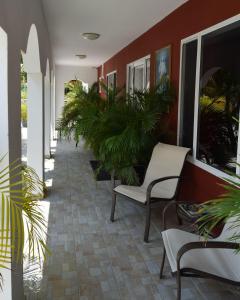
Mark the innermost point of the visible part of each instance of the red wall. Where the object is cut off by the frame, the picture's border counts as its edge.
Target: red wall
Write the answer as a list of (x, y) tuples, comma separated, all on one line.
[(190, 18)]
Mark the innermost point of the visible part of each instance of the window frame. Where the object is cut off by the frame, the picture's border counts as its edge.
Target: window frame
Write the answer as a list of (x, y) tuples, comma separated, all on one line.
[(136, 63), (193, 158), (109, 74)]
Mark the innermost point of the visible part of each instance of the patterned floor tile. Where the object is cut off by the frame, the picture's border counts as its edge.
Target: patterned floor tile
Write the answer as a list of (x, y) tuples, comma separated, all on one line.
[(93, 258)]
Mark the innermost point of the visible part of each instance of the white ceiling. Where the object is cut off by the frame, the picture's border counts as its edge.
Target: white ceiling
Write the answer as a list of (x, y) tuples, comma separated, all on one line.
[(118, 21)]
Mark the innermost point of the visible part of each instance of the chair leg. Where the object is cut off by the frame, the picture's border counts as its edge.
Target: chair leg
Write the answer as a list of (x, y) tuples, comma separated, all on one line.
[(114, 196), (162, 264), (178, 218), (178, 285), (147, 225)]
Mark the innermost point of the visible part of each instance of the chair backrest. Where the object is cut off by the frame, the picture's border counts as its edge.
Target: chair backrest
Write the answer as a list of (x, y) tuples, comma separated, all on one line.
[(230, 229), (166, 160)]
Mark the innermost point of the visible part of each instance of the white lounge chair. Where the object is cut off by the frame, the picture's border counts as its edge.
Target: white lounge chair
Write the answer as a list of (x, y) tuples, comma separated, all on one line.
[(161, 181), (190, 255)]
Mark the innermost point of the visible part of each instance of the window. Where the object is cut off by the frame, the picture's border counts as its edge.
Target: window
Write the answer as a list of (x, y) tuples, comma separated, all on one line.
[(210, 97), (112, 80), (138, 75), (189, 59)]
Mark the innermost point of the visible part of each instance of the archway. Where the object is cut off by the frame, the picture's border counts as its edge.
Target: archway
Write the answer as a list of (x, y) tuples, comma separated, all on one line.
[(70, 84), (35, 143)]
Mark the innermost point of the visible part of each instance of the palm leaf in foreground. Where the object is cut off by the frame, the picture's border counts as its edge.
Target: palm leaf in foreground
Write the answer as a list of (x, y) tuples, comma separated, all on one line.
[(22, 224), (220, 210)]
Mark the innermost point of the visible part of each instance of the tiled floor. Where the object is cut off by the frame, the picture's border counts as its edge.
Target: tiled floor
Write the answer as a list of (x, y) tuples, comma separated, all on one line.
[(93, 259)]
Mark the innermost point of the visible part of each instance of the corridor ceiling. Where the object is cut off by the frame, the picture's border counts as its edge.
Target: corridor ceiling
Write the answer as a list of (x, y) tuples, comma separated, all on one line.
[(118, 21)]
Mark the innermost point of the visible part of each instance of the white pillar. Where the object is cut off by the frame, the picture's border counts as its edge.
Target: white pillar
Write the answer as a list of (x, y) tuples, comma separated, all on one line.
[(4, 143), (47, 118), (53, 107), (6, 293), (35, 147)]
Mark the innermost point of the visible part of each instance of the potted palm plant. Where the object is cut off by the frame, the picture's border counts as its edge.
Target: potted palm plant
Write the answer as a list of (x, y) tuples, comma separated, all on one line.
[(22, 222), (132, 134), (120, 129)]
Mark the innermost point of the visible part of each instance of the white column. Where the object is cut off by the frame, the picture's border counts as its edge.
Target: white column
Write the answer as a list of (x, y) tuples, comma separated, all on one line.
[(35, 147), (53, 106), (4, 143), (47, 118), (6, 293)]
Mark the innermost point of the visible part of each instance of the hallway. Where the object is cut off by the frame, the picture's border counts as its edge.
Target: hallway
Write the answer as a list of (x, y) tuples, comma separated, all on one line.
[(95, 259)]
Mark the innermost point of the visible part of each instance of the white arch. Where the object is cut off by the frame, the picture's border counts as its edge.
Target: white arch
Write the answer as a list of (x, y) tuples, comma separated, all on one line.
[(35, 142), (31, 59)]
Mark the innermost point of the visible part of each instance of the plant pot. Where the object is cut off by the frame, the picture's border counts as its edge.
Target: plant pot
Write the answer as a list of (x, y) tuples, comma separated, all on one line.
[(99, 175), (104, 175), (141, 171)]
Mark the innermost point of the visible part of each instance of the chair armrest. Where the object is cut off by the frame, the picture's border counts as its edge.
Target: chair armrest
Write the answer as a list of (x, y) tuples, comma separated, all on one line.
[(154, 182), (204, 245)]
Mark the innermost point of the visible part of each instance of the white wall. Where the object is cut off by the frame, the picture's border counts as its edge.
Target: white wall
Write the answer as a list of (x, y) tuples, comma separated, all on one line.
[(3, 94), (65, 74), (35, 123), (16, 18)]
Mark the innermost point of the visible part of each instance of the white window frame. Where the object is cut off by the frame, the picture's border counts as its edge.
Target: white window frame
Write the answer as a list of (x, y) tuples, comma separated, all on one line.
[(136, 63), (111, 73), (101, 78), (193, 159)]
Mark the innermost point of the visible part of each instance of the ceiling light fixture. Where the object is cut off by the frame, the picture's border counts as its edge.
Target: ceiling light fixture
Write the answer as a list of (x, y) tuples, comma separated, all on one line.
[(90, 36), (81, 56)]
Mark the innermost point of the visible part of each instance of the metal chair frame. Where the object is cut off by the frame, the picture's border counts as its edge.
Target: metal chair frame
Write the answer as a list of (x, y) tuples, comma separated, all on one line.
[(150, 201), (189, 272)]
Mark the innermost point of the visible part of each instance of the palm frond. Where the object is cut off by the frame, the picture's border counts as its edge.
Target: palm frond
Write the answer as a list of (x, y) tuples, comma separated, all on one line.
[(220, 210), (118, 128), (22, 222)]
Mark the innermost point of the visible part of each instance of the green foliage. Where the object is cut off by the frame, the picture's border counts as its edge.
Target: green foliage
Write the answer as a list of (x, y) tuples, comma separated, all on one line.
[(219, 105), (24, 115), (220, 210), (24, 92), (23, 83), (79, 103), (119, 129), (128, 132), (21, 217), (218, 141)]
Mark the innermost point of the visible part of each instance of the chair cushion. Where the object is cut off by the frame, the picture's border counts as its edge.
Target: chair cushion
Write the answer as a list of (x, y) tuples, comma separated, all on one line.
[(220, 262), (138, 193), (166, 160)]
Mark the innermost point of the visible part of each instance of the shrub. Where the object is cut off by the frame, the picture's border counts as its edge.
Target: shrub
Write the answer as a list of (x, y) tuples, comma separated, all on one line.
[(24, 115)]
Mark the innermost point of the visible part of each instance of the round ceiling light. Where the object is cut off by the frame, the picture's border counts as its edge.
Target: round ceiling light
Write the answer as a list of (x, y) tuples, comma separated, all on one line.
[(90, 36), (81, 56)]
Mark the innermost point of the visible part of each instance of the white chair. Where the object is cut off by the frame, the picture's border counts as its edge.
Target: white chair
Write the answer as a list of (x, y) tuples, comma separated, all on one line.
[(190, 255), (161, 181)]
